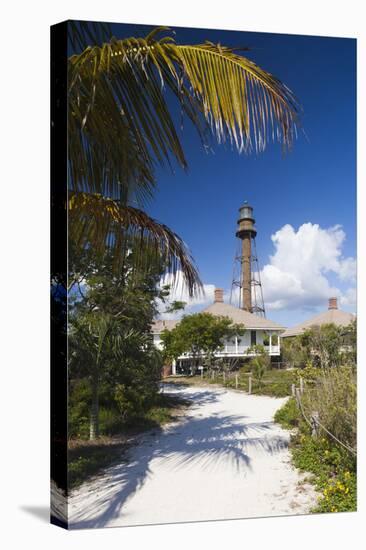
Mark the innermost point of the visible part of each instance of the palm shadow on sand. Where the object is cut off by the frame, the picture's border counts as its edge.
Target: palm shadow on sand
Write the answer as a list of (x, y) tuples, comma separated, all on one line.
[(206, 442)]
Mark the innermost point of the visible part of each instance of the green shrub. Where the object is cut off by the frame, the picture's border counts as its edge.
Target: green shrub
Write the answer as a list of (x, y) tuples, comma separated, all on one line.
[(245, 368), (309, 374), (259, 369), (276, 383), (334, 467), (109, 421), (90, 458), (259, 364), (86, 458), (288, 415), (78, 412), (340, 494), (334, 470)]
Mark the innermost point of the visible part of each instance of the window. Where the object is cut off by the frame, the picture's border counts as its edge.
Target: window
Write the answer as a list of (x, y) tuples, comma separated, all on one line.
[(253, 337)]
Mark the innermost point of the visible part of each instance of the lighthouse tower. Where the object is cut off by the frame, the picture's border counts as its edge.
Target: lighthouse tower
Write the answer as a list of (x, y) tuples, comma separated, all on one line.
[(246, 275)]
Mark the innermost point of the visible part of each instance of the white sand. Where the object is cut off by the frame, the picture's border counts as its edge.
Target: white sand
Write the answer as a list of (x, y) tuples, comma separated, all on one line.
[(226, 459)]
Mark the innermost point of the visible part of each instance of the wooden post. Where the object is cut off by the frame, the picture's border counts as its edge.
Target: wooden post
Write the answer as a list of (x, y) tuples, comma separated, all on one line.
[(297, 395), (201, 373), (250, 385), (314, 424), (293, 390), (224, 377), (212, 374), (236, 381), (301, 385)]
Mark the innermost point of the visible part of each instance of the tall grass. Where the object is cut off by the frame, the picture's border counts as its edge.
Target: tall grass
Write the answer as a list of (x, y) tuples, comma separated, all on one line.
[(333, 395)]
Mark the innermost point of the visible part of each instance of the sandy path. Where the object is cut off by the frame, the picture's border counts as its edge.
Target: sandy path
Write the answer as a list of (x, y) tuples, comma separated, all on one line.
[(226, 459)]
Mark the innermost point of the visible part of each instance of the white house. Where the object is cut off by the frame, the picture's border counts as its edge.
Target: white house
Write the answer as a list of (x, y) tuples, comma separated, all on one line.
[(258, 330)]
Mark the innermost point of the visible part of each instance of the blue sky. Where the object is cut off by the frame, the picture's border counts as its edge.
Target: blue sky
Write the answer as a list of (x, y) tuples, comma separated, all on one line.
[(314, 184)]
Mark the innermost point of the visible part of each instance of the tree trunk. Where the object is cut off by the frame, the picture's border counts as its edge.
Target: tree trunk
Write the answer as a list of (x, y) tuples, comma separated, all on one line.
[(94, 411)]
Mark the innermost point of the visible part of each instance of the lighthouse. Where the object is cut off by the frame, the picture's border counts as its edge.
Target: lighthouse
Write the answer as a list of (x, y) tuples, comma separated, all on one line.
[(248, 276)]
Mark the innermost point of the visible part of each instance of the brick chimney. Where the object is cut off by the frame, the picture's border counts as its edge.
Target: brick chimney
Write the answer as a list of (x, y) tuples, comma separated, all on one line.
[(219, 295), (333, 303)]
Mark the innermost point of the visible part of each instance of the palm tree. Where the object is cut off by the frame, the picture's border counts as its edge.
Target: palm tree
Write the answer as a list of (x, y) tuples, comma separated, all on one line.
[(120, 128), (90, 338)]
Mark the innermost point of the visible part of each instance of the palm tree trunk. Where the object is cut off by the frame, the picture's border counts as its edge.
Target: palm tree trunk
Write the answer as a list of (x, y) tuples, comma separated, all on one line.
[(94, 410)]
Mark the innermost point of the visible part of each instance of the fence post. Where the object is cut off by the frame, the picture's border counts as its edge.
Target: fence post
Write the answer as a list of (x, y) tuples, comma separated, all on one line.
[(236, 381), (201, 373), (250, 385), (212, 374), (301, 385), (293, 390), (224, 377), (314, 424), (297, 394)]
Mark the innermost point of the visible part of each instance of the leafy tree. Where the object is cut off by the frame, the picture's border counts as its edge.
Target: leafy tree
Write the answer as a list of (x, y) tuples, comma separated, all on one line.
[(322, 344), (176, 305), (349, 344), (122, 360), (293, 352), (120, 127), (201, 335), (93, 341), (110, 341)]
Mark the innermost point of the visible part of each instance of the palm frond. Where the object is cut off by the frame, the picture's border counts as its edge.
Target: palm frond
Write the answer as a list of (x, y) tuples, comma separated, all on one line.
[(104, 224), (82, 33), (241, 101), (117, 97), (120, 126), (119, 121)]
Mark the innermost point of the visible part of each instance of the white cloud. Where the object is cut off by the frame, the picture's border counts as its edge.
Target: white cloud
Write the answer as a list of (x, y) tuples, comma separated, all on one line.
[(347, 269), (296, 276), (349, 298), (179, 292)]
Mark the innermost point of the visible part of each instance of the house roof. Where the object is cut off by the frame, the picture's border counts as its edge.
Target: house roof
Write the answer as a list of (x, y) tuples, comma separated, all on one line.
[(159, 325), (249, 320), (335, 316), (220, 309)]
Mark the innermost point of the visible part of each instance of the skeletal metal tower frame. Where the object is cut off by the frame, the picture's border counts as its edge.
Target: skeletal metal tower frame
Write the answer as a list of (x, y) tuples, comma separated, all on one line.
[(246, 272)]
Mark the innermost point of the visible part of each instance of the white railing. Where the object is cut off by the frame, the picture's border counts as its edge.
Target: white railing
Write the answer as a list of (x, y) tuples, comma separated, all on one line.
[(232, 351)]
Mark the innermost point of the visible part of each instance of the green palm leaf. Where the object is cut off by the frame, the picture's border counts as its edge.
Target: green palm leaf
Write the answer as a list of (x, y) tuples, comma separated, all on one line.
[(120, 127), (82, 33), (117, 98), (105, 224)]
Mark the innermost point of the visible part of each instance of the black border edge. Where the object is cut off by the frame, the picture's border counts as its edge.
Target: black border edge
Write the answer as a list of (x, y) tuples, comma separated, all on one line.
[(59, 486)]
